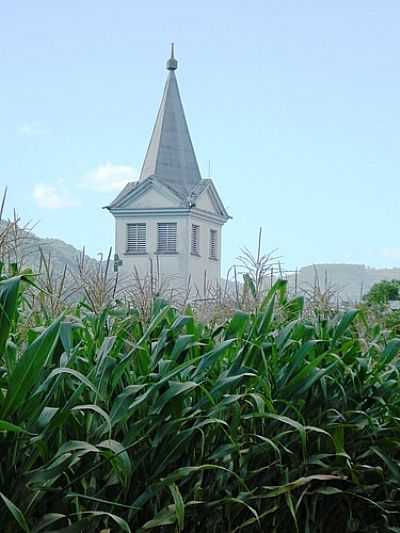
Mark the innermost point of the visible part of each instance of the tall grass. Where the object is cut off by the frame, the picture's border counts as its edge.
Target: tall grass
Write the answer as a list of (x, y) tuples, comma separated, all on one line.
[(269, 421)]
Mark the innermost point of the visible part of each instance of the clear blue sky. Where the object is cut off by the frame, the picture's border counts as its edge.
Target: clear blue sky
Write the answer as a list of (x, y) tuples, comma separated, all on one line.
[(296, 104)]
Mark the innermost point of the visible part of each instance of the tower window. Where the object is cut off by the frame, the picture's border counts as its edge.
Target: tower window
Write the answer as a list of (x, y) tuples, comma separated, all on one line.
[(195, 239), (136, 238), (166, 237), (213, 244)]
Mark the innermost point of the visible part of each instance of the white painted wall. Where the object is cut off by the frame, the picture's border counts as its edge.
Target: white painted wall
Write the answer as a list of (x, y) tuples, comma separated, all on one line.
[(152, 197), (202, 268), (175, 269), (205, 202)]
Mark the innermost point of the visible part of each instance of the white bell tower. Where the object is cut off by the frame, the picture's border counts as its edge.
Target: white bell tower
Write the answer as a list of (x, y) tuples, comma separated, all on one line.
[(169, 222)]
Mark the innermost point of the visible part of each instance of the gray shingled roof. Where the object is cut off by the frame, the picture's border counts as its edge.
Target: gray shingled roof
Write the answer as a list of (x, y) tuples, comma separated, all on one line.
[(170, 155), (124, 193), (185, 198)]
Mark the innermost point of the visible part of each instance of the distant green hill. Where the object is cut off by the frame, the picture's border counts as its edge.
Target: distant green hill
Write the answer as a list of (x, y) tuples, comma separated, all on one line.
[(25, 248)]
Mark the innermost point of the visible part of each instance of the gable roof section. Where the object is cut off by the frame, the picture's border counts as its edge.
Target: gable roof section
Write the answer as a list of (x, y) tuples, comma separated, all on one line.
[(136, 189), (207, 187), (123, 194)]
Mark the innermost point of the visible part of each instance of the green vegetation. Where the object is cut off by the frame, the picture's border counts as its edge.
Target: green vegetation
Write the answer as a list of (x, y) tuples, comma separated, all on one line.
[(383, 292), (268, 421)]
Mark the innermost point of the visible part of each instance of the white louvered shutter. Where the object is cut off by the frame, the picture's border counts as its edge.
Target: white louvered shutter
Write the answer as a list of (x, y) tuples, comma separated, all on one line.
[(213, 244), (166, 237), (136, 243), (195, 239)]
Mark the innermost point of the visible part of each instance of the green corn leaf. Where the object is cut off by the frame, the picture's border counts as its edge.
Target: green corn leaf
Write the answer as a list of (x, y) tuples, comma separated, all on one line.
[(8, 427), (119, 454), (86, 524), (389, 353), (16, 513), (179, 506), (236, 325), (28, 369), (47, 521), (392, 466), (272, 492), (165, 517), (95, 409), (76, 445), (209, 358), (279, 288), (50, 473), (175, 390), (344, 323), (297, 360), (8, 307), (71, 372), (184, 342)]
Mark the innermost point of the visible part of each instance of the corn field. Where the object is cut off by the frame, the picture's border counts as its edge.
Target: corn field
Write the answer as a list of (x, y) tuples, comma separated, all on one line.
[(270, 420)]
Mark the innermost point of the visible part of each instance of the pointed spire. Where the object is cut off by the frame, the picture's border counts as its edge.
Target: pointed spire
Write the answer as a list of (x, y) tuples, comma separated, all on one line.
[(170, 155), (172, 63)]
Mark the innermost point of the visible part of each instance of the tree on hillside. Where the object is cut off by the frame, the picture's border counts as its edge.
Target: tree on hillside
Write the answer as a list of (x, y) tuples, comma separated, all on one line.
[(383, 292)]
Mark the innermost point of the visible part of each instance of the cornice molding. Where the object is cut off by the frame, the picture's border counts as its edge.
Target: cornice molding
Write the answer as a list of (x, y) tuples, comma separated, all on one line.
[(168, 211)]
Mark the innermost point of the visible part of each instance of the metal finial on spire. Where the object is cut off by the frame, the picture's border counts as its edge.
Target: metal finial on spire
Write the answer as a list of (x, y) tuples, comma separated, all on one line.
[(172, 63)]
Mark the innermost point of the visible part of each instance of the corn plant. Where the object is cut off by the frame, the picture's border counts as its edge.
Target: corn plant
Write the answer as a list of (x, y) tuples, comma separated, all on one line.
[(267, 421)]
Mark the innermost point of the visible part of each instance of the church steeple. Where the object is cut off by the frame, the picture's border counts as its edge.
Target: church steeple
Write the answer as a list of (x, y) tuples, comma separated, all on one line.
[(170, 215), (170, 155)]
